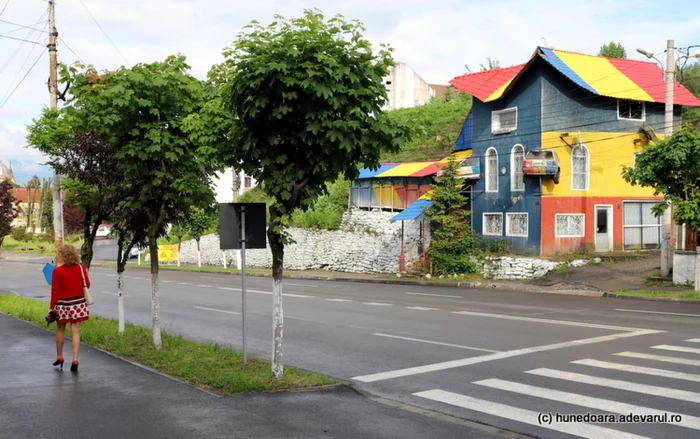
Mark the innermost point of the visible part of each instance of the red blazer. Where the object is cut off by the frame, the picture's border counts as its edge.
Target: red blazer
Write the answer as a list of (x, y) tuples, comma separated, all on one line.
[(66, 282)]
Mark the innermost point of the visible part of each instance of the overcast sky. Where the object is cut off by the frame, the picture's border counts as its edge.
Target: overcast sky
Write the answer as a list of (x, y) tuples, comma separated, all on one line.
[(437, 38)]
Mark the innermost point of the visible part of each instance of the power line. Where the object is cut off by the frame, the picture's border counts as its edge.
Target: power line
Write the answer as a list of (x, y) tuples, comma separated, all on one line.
[(71, 50), (21, 39), (4, 7), (19, 46), (103, 31), (22, 26), (23, 78)]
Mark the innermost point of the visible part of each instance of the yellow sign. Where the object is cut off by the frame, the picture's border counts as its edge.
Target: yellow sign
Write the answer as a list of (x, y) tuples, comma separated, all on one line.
[(167, 253)]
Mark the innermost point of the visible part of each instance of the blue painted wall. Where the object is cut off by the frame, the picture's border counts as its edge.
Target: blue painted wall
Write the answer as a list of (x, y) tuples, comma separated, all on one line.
[(566, 107), (526, 95)]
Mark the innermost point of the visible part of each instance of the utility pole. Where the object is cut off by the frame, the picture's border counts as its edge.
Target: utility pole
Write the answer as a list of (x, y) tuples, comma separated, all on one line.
[(666, 225), (236, 185), (53, 89)]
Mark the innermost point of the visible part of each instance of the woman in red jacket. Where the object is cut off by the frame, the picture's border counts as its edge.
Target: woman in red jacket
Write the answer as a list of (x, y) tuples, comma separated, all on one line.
[(68, 300)]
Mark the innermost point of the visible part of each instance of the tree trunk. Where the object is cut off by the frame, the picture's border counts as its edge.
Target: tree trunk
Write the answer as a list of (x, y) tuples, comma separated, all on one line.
[(155, 303), (199, 255), (277, 248), (697, 270), (120, 300), (179, 244)]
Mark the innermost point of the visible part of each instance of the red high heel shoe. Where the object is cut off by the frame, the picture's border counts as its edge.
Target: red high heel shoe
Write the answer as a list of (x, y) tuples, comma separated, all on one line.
[(74, 367), (58, 362)]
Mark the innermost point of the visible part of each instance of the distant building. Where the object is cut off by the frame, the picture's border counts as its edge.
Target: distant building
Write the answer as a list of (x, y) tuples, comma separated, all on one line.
[(407, 89), (224, 184), (6, 173)]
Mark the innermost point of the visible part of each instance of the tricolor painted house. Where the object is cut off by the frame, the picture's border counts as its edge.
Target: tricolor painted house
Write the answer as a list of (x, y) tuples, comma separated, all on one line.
[(591, 116), (547, 141)]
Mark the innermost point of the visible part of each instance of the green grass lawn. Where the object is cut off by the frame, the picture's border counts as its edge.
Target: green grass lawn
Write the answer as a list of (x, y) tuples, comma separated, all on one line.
[(681, 294), (213, 367), (35, 246)]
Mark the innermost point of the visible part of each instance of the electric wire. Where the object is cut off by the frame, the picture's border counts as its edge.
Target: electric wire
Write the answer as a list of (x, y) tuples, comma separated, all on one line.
[(22, 26), (22, 80), (19, 72), (71, 50), (19, 46), (4, 7), (103, 31)]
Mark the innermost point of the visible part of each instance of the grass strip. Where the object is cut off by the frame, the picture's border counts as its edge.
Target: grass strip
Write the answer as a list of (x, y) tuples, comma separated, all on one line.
[(683, 294), (216, 368)]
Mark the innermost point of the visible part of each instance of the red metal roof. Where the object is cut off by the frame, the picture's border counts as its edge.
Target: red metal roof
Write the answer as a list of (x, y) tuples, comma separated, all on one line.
[(484, 84)]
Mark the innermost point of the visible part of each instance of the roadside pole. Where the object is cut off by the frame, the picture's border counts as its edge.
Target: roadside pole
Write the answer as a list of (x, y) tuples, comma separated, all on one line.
[(243, 304)]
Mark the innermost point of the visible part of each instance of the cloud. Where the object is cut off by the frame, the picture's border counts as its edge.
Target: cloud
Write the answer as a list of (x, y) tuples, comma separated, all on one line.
[(436, 38)]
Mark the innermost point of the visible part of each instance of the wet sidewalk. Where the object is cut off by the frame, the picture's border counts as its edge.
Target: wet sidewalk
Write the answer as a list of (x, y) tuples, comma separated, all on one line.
[(110, 398)]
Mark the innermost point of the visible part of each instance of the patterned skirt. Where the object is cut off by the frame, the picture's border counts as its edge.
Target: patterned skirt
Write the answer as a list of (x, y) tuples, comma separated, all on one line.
[(72, 310)]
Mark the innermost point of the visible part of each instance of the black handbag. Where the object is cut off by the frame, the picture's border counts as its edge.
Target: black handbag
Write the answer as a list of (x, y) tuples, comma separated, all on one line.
[(51, 317)]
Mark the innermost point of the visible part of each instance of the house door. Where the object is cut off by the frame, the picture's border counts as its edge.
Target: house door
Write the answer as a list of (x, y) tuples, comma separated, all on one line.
[(603, 229)]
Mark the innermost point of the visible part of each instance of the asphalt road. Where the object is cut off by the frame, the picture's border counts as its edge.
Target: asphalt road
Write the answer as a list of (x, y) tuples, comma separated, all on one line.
[(495, 357)]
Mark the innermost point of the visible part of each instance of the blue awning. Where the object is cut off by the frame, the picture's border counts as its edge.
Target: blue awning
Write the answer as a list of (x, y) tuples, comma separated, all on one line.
[(414, 211)]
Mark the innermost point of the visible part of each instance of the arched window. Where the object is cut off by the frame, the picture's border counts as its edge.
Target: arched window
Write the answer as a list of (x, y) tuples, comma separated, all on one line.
[(580, 166), (517, 156), (491, 170)]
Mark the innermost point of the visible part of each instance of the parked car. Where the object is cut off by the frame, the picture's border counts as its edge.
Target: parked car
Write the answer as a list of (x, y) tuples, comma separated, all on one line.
[(134, 252), (103, 231), (544, 162)]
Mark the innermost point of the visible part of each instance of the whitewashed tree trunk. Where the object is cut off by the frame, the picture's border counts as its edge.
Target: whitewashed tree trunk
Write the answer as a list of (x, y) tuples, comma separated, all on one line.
[(155, 310), (120, 301), (224, 258), (199, 255), (178, 253), (277, 325)]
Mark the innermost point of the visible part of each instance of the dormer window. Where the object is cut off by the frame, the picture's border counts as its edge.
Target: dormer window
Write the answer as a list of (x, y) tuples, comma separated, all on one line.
[(504, 121), (630, 110)]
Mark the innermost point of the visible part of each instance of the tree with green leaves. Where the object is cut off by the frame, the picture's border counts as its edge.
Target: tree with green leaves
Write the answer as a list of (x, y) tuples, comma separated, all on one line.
[(139, 111), (672, 168), (302, 104), (689, 76), (197, 222), (178, 231), (612, 50), (491, 64), (8, 209), (453, 244)]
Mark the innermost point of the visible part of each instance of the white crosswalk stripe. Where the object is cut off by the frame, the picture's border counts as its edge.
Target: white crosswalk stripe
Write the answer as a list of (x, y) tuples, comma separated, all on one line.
[(601, 404), (663, 358), (628, 386), (639, 369), (694, 340), (677, 348), (524, 416)]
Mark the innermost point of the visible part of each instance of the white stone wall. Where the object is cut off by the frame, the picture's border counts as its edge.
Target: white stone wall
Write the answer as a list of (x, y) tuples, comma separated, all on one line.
[(684, 267), (367, 242), (525, 268)]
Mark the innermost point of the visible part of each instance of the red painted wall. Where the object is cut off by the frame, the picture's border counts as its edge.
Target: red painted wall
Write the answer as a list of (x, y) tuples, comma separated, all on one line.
[(586, 205)]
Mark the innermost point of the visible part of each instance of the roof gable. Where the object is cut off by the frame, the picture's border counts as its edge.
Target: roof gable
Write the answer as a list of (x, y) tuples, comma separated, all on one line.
[(611, 77)]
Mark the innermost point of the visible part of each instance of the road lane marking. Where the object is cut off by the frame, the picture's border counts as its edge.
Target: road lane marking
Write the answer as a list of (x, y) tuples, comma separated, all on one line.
[(269, 293), (301, 285), (639, 369), (422, 308), (550, 321), (216, 310), (376, 304), (168, 281), (339, 300), (434, 342), (434, 295), (590, 431), (628, 386), (677, 348), (110, 293), (694, 340), (184, 283), (495, 356), (659, 312), (203, 286), (605, 405), (663, 358)]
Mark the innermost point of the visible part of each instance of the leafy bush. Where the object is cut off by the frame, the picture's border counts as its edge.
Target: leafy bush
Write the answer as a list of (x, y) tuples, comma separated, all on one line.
[(327, 211)]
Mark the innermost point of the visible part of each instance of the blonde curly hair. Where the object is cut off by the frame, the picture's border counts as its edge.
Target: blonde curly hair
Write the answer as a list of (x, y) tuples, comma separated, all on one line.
[(67, 255)]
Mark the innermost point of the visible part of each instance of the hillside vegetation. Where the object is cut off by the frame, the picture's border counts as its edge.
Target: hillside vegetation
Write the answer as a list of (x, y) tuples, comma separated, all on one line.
[(435, 127)]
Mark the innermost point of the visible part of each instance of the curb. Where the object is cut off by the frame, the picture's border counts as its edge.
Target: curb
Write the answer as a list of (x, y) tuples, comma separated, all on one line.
[(650, 299)]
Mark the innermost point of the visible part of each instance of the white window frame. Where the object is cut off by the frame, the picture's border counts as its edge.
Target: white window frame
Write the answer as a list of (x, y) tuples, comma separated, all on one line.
[(644, 110), (516, 172), (634, 161), (527, 224), (556, 215), (587, 185), (496, 128), (637, 226), (488, 170), (483, 223)]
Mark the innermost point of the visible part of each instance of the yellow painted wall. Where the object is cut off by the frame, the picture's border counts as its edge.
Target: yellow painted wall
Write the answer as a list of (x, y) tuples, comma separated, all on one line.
[(607, 153)]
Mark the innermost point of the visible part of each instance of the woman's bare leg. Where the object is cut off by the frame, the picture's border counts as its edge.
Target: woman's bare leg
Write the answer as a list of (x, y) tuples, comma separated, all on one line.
[(60, 338), (75, 337)]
